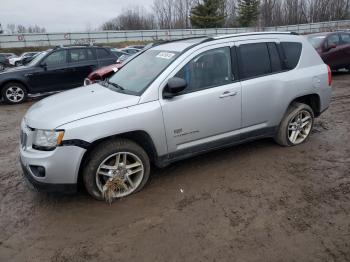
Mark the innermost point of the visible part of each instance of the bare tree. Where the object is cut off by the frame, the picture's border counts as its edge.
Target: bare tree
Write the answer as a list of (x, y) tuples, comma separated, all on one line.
[(132, 19), (11, 28), (164, 12), (21, 29)]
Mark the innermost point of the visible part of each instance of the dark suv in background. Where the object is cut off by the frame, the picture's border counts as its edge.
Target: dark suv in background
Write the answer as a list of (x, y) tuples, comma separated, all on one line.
[(334, 48), (53, 70)]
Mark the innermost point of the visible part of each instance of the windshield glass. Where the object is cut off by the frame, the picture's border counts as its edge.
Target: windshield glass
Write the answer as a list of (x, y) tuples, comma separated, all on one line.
[(136, 75), (37, 58), (316, 41)]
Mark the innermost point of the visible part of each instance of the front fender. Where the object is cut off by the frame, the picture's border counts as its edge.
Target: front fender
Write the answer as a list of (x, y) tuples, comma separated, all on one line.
[(145, 117)]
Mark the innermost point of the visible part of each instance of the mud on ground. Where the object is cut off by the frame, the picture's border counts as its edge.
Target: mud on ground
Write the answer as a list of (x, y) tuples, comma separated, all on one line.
[(254, 202)]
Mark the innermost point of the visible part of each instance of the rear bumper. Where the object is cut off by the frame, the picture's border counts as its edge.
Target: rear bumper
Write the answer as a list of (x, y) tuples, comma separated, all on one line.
[(46, 187)]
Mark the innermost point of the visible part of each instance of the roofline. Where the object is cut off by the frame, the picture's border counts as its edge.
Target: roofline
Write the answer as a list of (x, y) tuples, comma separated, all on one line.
[(213, 38)]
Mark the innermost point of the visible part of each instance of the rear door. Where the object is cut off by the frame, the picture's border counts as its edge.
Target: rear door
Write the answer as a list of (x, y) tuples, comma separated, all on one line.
[(53, 73), (82, 61), (259, 63), (105, 57)]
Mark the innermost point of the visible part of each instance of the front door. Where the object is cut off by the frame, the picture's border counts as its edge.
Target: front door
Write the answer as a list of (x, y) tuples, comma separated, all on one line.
[(207, 114), (53, 73)]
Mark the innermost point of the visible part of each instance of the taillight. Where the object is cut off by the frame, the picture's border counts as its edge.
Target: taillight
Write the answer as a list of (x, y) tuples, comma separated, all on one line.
[(329, 76)]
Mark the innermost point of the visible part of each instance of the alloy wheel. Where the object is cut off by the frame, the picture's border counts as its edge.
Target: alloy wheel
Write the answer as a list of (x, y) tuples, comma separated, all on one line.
[(300, 127), (125, 166), (15, 94)]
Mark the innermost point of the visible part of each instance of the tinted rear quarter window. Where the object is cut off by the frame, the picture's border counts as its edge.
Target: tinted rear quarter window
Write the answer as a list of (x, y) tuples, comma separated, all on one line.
[(276, 63), (254, 60), (292, 52)]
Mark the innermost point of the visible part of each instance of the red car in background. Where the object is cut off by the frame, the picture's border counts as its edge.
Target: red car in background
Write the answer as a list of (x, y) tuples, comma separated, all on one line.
[(107, 71), (334, 48), (102, 73)]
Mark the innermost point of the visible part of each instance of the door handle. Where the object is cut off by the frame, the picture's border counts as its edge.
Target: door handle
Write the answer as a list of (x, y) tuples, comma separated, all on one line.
[(228, 93)]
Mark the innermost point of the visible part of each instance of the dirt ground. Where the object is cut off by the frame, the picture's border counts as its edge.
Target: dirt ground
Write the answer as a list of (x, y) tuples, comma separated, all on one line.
[(254, 202)]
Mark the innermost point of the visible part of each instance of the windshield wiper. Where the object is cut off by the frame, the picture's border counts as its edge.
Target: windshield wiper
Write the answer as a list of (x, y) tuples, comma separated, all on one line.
[(115, 85)]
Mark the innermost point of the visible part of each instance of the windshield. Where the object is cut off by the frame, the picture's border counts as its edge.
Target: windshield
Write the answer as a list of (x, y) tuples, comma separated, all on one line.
[(316, 41), (141, 71), (37, 58)]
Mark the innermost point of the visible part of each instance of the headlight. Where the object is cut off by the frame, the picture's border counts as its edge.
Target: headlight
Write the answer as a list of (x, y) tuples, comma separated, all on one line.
[(47, 139)]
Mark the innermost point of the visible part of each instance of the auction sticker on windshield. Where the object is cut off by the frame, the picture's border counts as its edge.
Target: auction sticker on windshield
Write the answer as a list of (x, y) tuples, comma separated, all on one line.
[(165, 55)]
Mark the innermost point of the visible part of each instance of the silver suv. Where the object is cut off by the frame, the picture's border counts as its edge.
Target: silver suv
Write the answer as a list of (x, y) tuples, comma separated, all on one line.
[(173, 101)]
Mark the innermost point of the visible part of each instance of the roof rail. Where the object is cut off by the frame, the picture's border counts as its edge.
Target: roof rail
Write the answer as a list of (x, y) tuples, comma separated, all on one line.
[(252, 34), (181, 39), (79, 45)]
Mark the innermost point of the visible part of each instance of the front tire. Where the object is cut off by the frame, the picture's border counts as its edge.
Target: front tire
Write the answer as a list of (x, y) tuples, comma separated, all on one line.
[(117, 158), (2, 67), (296, 126), (14, 93)]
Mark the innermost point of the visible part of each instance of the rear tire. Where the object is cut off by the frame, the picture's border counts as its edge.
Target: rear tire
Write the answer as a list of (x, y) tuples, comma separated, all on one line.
[(102, 163), (296, 126), (14, 93)]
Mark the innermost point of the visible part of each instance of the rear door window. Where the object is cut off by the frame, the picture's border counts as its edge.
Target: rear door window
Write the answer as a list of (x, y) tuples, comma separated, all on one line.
[(102, 53), (345, 39), (81, 54), (292, 52), (78, 55), (332, 40), (254, 60)]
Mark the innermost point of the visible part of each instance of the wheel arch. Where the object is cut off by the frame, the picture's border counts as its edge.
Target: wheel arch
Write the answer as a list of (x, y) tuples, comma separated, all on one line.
[(141, 137), (2, 85), (312, 100)]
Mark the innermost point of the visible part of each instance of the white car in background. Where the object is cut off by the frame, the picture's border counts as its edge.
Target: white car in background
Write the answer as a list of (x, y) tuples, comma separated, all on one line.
[(16, 61)]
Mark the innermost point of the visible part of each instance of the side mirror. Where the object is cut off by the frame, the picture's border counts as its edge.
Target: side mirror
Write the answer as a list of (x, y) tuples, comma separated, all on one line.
[(175, 85), (44, 65)]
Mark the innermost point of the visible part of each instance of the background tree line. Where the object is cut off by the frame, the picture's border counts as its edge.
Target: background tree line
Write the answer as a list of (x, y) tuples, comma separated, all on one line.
[(21, 29), (177, 14)]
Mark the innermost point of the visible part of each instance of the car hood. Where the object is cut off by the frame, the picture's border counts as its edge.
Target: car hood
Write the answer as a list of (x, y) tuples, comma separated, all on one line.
[(76, 104), (16, 69)]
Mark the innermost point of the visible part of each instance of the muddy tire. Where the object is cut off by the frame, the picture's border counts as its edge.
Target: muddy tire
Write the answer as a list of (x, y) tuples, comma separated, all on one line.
[(14, 93), (296, 126), (120, 158)]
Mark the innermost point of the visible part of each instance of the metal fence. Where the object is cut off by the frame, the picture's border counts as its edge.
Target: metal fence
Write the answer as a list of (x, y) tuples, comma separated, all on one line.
[(105, 37)]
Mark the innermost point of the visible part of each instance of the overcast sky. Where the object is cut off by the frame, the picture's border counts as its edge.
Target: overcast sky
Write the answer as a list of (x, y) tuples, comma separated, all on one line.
[(64, 15)]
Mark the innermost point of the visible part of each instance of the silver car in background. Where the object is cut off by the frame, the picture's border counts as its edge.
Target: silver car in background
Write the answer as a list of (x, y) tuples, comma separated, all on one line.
[(173, 101)]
